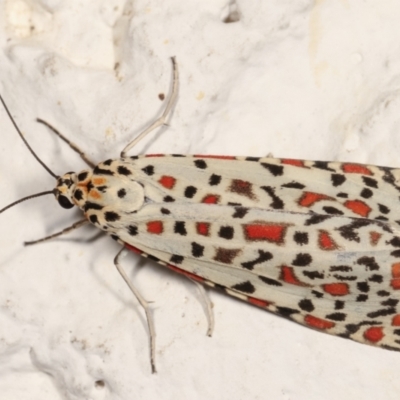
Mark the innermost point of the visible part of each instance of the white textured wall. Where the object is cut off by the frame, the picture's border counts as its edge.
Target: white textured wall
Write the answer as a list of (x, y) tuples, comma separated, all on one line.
[(303, 79)]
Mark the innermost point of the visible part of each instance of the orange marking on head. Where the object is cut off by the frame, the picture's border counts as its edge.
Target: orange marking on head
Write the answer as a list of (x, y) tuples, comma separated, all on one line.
[(358, 207), (325, 241), (336, 289), (210, 199), (258, 302), (396, 320), (288, 276), (374, 238), (167, 181), (374, 334), (99, 181), (318, 323), (265, 232), (94, 194), (356, 169), (309, 198), (155, 227), (203, 228), (291, 161)]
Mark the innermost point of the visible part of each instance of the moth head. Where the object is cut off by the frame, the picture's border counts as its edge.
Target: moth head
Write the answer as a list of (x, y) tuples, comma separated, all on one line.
[(65, 189)]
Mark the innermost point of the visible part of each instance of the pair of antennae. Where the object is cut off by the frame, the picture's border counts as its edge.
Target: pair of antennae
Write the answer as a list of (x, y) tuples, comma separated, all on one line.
[(161, 121), (32, 196)]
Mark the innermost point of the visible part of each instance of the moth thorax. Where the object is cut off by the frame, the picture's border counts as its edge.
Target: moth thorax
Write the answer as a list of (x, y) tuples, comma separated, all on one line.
[(64, 189)]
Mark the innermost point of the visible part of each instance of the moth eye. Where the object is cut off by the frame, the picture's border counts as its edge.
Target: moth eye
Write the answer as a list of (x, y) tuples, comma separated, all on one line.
[(64, 202)]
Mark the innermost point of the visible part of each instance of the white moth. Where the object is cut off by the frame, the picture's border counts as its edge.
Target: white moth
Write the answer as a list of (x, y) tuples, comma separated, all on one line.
[(316, 242)]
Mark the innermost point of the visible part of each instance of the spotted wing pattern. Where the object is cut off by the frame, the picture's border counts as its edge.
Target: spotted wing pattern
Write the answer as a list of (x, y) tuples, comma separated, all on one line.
[(316, 242)]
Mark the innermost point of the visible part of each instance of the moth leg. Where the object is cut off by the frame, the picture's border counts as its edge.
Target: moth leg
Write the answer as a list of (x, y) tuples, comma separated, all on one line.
[(144, 304), (69, 143), (209, 306), (162, 120), (76, 225)]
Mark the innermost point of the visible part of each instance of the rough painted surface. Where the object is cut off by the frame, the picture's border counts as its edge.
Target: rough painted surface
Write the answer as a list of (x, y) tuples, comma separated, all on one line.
[(305, 79)]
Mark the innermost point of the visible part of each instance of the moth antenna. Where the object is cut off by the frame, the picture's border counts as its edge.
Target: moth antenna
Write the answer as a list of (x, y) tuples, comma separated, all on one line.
[(32, 196), (26, 143)]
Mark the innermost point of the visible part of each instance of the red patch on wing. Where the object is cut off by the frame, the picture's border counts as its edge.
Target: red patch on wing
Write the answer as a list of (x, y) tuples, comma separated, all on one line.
[(154, 155), (374, 334), (318, 323), (186, 273), (309, 198), (336, 289), (288, 276), (155, 227), (264, 231), (167, 181), (210, 199), (358, 207), (356, 169), (290, 161), (216, 157), (258, 302), (374, 238), (395, 282), (203, 228), (396, 320), (325, 241)]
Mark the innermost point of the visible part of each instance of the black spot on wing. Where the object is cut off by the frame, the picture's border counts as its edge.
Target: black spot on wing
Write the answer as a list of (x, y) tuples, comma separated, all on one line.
[(300, 238), (148, 170), (132, 230), (226, 232), (269, 281), (275, 170), (122, 170), (101, 171), (302, 260), (336, 316), (176, 259), (316, 219), (277, 203), (201, 164), (197, 250), (190, 191), (306, 305), (244, 287), (370, 182), (366, 193), (179, 228), (337, 179), (111, 216), (240, 212), (293, 185), (214, 180)]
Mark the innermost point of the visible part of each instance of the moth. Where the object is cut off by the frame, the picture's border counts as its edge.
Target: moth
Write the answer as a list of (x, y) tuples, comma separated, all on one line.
[(315, 242)]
